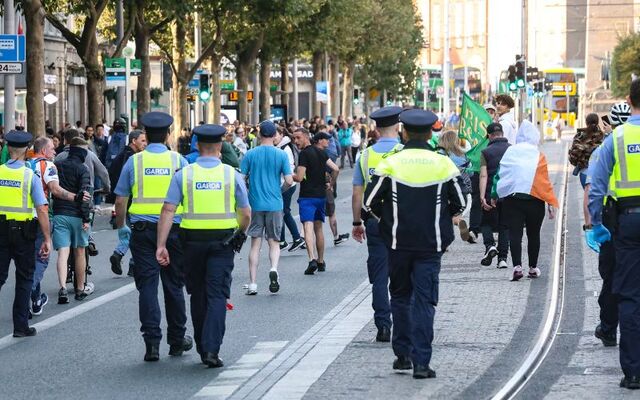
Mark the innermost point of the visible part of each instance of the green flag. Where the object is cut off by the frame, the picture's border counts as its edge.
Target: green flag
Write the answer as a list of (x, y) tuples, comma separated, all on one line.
[(473, 128)]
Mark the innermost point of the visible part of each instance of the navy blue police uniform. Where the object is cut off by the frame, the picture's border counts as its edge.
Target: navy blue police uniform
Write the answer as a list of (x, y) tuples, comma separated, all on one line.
[(145, 178), (414, 194)]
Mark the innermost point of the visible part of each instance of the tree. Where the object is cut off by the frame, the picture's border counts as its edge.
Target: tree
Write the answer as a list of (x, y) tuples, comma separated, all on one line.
[(88, 12), (34, 17), (624, 64)]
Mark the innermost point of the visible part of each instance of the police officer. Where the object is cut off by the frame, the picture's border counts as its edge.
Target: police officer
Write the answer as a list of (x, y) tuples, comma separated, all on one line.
[(145, 178), (216, 214), (21, 191), (415, 193), (617, 167), (377, 263)]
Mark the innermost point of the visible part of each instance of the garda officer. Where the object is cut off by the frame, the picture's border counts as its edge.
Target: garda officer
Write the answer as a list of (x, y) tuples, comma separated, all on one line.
[(617, 167), (145, 178), (377, 263), (21, 191), (216, 214), (414, 193)]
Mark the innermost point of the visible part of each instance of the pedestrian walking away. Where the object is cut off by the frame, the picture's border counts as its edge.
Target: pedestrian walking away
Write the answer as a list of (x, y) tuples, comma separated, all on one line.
[(616, 173), (493, 218), (145, 178), (264, 166), (415, 193), (365, 227), (216, 215), (311, 173), (523, 184)]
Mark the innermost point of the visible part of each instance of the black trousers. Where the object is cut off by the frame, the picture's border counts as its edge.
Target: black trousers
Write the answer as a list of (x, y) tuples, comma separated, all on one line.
[(521, 213), (475, 214), (14, 246)]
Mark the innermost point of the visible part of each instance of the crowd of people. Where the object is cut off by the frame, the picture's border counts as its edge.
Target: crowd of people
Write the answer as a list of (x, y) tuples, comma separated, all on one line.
[(225, 182)]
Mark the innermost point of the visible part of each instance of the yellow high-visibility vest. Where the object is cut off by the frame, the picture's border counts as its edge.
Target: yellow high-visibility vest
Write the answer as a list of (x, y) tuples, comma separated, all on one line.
[(626, 171), (208, 200), (152, 174), (369, 160), (418, 168), (15, 192)]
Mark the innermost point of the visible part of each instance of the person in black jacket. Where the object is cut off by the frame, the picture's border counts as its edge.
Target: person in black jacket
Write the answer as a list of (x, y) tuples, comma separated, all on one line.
[(71, 220)]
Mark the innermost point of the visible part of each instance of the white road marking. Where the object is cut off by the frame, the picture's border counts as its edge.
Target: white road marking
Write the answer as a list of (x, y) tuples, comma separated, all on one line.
[(57, 319), (229, 380)]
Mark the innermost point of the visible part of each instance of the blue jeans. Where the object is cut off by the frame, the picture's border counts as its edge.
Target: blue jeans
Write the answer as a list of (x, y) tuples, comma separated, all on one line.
[(288, 219), (41, 266), (97, 184)]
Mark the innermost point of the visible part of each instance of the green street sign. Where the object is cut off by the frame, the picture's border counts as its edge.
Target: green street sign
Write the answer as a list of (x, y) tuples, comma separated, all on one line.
[(227, 84), (114, 64), (135, 67)]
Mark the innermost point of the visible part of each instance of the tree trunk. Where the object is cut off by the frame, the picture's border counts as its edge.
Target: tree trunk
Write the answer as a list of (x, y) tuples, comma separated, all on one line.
[(179, 103), (34, 18), (142, 37), (284, 82), (243, 74), (347, 88), (95, 82), (213, 109), (334, 68), (265, 87), (317, 76)]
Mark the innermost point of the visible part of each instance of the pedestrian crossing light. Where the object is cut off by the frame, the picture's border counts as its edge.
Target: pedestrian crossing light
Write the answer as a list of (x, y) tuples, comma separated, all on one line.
[(511, 77), (204, 92), (521, 78)]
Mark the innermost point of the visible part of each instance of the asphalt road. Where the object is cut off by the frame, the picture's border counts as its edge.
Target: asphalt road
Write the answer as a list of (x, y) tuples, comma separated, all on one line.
[(99, 352)]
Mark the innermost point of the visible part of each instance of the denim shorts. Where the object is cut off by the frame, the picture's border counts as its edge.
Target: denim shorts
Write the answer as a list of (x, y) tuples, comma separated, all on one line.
[(311, 209), (68, 232)]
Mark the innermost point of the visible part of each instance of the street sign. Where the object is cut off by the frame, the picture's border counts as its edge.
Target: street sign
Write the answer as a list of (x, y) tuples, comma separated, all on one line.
[(440, 91), (227, 84), (10, 68), (12, 48), (115, 80), (195, 82), (135, 67), (234, 96)]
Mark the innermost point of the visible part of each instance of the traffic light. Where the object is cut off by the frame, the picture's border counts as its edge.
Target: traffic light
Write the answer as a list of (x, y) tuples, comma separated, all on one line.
[(356, 96), (205, 92), (548, 86), (521, 77), (512, 78)]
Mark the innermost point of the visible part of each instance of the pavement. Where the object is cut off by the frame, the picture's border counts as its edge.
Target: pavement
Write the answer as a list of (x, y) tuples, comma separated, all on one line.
[(315, 339)]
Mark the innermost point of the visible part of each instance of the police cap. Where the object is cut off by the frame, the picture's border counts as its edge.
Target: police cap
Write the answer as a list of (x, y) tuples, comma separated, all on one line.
[(416, 120), (209, 133), (18, 139), (156, 122), (386, 116)]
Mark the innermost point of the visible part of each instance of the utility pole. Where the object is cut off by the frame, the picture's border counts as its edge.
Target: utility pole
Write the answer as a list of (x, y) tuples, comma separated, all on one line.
[(294, 101), (523, 51), (255, 115), (9, 79), (120, 91), (445, 62)]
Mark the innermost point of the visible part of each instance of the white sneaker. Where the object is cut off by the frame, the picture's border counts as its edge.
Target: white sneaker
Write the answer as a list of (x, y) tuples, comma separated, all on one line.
[(502, 264), (517, 273), (252, 289), (534, 272), (89, 287)]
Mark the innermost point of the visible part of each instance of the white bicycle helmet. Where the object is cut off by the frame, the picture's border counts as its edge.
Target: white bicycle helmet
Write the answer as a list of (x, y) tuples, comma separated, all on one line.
[(620, 113)]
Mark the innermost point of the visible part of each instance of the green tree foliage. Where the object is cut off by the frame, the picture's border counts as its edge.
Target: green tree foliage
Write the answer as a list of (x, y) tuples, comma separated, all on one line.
[(625, 61)]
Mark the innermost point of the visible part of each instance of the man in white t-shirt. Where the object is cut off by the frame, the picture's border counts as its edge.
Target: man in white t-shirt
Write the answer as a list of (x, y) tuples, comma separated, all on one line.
[(505, 104), (45, 169)]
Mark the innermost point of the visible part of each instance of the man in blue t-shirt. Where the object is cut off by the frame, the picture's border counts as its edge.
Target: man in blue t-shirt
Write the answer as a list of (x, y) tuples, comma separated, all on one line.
[(264, 166)]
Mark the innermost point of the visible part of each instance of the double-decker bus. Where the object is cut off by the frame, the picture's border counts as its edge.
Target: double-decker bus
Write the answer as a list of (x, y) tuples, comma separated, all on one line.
[(435, 80), (474, 80), (564, 94)]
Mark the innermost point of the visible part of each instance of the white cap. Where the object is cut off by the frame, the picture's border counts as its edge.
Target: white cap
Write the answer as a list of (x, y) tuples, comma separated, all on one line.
[(488, 106)]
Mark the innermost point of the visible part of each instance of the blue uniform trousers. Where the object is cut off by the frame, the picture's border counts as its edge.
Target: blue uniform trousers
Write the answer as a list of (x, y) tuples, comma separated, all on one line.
[(378, 270), (607, 301), (147, 273), (414, 279), (14, 245), (626, 285), (208, 268)]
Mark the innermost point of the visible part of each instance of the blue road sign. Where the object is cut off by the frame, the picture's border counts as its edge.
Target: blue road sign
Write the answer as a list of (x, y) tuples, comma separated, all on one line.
[(12, 48)]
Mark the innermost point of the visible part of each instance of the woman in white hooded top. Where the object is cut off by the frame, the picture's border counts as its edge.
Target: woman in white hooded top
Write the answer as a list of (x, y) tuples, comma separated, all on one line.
[(283, 141), (523, 184)]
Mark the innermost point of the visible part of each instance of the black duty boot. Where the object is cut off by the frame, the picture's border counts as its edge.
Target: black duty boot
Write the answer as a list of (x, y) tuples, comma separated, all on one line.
[(630, 382), (153, 352), (178, 349), (608, 340), (423, 372), (402, 363), (384, 335), (211, 360)]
